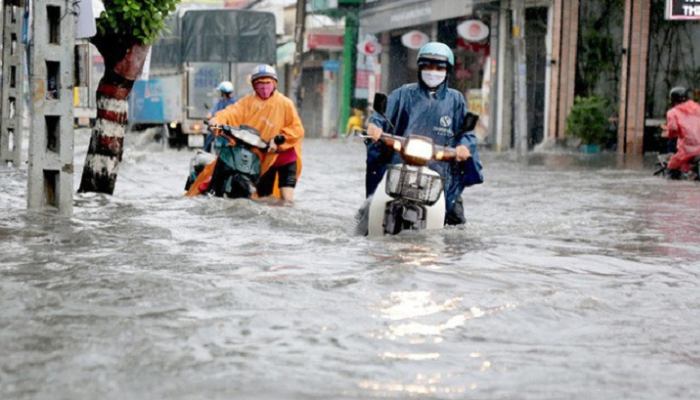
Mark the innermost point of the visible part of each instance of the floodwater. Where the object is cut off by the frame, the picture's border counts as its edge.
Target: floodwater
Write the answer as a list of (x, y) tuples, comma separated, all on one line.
[(572, 280)]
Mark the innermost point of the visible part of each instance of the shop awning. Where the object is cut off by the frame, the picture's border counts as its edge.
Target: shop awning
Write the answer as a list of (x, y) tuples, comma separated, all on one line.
[(397, 14)]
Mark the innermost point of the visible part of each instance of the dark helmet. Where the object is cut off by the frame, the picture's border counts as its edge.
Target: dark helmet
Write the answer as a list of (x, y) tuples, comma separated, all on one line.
[(678, 94)]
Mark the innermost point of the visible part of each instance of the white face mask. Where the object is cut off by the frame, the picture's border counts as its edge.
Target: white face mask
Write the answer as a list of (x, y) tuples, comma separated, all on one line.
[(433, 79)]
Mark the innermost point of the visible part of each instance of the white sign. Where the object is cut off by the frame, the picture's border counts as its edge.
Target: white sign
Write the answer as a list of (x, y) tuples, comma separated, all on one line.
[(414, 39), (85, 21), (473, 30), (683, 9), (145, 72), (369, 46)]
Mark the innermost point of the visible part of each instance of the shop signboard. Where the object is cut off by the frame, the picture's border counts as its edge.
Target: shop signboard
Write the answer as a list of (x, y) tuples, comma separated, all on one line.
[(85, 22), (367, 77), (683, 9), (321, 5), (397, 14), (325, 41), (369, 46), (473, 30), (331, 65), (414, 39), (326, 5)]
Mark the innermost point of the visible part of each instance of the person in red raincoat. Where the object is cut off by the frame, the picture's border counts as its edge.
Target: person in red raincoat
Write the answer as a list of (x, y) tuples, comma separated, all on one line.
[(683, 124)]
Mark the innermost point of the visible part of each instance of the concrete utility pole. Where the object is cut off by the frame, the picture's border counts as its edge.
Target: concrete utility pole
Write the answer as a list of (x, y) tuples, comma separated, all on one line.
[(563, 65), (520, 120), (635, 47), (504, 85), (299, 31), (51, 90), (12, 78)]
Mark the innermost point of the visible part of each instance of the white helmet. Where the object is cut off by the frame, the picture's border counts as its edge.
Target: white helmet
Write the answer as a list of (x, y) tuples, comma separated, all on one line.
[(225, 87), (263, 71)]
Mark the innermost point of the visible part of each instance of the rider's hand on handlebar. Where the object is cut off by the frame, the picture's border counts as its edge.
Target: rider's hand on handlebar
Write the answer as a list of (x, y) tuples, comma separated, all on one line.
[(463, 152), (272, 147), (374, 132), (214, 127)]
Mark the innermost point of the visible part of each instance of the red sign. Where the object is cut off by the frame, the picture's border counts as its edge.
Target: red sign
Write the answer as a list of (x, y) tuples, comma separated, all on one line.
[(325, 41), (369, 47)]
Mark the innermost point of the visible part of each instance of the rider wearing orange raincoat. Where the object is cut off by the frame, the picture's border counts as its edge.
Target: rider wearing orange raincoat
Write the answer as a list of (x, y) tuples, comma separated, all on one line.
[(272, 114)]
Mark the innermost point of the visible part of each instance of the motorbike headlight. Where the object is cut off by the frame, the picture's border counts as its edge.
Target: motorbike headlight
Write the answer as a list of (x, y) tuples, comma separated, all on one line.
[(419, 148), (413, 183)]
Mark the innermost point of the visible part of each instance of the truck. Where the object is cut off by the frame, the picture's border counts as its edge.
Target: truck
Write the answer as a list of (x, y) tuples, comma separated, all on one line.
[(197, 50)]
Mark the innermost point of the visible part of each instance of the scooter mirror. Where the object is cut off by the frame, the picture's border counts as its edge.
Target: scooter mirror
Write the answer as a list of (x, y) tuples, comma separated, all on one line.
[(379, 103), (470, 121)]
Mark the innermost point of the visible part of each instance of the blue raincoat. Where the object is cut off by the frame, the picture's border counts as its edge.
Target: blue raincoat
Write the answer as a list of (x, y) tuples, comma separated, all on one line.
[(412, 109)]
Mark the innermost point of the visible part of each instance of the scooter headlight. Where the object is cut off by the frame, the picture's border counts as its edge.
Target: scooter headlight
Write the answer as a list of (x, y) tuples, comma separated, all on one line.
[(419, 148), (413, 183)]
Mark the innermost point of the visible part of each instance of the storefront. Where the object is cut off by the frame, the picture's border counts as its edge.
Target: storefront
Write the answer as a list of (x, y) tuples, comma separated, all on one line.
[(402, 27)]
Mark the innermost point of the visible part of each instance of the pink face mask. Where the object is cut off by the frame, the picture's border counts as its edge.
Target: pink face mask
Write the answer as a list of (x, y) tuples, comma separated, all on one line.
[(264, 90)]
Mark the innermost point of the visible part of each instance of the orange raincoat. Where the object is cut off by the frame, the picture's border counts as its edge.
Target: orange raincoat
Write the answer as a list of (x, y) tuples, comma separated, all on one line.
[(276, 115)]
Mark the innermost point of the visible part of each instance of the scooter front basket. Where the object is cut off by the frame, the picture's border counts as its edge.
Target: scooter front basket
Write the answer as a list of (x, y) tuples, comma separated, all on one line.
[(419, 184)]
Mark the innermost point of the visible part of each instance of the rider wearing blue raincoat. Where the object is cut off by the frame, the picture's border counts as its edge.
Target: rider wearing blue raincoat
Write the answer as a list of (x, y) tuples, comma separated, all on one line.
[(429, 108), (227, 98)]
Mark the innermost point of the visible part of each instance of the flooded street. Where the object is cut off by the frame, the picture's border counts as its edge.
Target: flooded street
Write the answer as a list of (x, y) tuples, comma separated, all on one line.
[(571, 280)]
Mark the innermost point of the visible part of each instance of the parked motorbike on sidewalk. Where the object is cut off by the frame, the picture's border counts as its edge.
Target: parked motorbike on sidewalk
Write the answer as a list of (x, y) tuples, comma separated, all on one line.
[(412, 197), (233, 168)]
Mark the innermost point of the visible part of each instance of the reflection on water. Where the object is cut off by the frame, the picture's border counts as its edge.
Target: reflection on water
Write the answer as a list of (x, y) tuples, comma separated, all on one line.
[(570, 274)]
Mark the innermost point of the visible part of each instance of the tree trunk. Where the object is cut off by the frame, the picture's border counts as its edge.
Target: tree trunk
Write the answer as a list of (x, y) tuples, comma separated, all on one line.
[(123, 64)]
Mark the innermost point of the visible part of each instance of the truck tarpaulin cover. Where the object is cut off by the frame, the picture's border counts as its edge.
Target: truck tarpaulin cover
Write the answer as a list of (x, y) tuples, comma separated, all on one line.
[(166, 53), (228, 36)]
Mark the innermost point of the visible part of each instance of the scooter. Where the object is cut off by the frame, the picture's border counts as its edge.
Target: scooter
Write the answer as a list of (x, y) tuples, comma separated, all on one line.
[(233, 168), (663, 171), (413, 197)]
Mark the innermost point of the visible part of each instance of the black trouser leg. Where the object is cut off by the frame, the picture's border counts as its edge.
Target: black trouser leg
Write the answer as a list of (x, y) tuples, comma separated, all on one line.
[(455, 216), (218, 178)]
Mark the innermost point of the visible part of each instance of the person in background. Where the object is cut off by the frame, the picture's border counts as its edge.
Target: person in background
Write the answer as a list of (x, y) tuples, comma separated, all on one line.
[(226, 98), (355, 122), (683, 124), (272, 114)]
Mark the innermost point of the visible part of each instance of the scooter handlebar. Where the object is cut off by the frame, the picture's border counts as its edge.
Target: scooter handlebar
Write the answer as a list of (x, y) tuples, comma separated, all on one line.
[(442, 153), (398, 143)]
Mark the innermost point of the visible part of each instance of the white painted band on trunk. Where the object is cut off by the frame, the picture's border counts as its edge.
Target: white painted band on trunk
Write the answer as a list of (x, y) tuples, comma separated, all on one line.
[(109, 128), (110, 104), (101, 164)]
